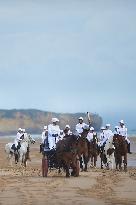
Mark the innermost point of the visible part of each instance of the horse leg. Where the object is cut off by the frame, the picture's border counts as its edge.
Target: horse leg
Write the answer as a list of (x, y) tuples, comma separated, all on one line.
[(85, 162), (66, 167), (25, 161), (116, 161), (101, 161), (91, 161), (81, 163), (67, 171), (112, 161), (10, 156), (95, 160), (108, 161), (125, 162), (73, 166), (16, 158), (120, 162)]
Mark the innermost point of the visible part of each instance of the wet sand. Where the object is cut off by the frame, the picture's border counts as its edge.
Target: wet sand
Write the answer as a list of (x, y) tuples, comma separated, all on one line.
[(19, 186)]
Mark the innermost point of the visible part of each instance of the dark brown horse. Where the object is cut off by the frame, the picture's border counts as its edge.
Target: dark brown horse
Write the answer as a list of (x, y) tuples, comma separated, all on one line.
[(67, 155), (82, 147), (93, 150), (120, 151)]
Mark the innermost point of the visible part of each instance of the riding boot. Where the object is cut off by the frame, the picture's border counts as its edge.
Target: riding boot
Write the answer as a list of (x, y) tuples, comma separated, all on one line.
[(128, 147)]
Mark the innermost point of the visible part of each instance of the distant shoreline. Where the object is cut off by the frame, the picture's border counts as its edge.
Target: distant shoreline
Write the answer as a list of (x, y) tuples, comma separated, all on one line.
[(38, 135)]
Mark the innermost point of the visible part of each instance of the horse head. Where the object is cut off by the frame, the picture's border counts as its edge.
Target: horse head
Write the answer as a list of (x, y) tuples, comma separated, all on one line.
[(31, 139), (67, 144), (28, 139), (117, 140)]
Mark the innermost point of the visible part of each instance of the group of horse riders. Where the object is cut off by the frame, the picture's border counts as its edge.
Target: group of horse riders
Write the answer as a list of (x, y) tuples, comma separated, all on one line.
[(52, 133), (54, 139)]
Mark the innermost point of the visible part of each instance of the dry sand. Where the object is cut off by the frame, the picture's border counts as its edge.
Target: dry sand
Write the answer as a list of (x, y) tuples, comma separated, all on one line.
[(19, 186)]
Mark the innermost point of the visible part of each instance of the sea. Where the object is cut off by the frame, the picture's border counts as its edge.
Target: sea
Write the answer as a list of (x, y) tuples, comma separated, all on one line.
[(131, 133)]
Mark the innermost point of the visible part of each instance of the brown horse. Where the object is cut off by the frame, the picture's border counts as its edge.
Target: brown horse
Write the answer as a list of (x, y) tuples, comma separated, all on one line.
[(120, 151), (67, 156), (82, 147), (93, 150)]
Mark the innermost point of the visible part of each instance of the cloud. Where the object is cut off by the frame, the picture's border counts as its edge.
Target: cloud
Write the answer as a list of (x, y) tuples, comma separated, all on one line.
[(68, 55)]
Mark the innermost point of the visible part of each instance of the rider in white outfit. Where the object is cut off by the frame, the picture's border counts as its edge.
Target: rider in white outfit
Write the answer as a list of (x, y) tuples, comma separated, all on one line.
[(80, 125), (107, 133), (116, 130), (67, 131), (101, 138), (53, 133), (18, 138), (90, 134), (122, 131)]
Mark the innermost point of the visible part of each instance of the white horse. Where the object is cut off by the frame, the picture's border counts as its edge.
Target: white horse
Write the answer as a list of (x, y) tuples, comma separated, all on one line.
[(109, 152), (22, 156)]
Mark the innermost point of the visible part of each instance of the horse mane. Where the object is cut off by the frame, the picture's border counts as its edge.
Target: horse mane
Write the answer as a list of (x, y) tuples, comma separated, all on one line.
[(120, 143)]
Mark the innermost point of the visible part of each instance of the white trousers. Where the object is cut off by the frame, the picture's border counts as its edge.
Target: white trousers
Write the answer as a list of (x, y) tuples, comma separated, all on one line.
[(103, 141), (52, 142)]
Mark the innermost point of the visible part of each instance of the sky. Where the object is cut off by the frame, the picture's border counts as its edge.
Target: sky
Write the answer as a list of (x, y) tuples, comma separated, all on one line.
[(69, 56)]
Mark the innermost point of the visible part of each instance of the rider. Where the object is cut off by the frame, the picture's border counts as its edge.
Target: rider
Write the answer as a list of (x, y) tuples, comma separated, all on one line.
[(116, 130), (66, 131), (18, 139), (43, 137), (122, 131), (90, 134), (80, 125), (102, 134), (105, 135), (53, 133)]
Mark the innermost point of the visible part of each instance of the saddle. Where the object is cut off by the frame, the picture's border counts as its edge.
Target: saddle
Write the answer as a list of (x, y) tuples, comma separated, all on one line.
[(13, 147)]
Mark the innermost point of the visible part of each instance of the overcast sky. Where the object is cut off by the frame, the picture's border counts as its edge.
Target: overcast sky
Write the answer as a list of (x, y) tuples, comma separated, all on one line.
[(69, 56)]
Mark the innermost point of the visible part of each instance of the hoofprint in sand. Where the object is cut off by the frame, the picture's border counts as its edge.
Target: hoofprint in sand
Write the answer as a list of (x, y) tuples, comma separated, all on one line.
[(20, 186)]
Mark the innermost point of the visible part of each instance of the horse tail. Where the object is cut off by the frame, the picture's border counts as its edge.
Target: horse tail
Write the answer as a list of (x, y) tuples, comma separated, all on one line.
[(7, 148)]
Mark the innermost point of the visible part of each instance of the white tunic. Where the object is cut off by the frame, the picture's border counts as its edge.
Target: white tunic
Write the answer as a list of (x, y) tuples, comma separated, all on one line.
[(53, 135), (44, 136), (79, 127), (102, 136), (107, 134), (17, 139), (90, 136), (123, 132)]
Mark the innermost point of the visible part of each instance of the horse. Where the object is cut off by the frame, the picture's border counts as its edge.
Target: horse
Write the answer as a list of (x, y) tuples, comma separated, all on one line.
[(67, 156), (67, 153), (82, 146), (23, 152), (107, 153), (120, 151), (93, 151)]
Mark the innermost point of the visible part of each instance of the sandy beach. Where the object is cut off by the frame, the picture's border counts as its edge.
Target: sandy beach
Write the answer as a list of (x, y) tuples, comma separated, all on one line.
[(19, 186)]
